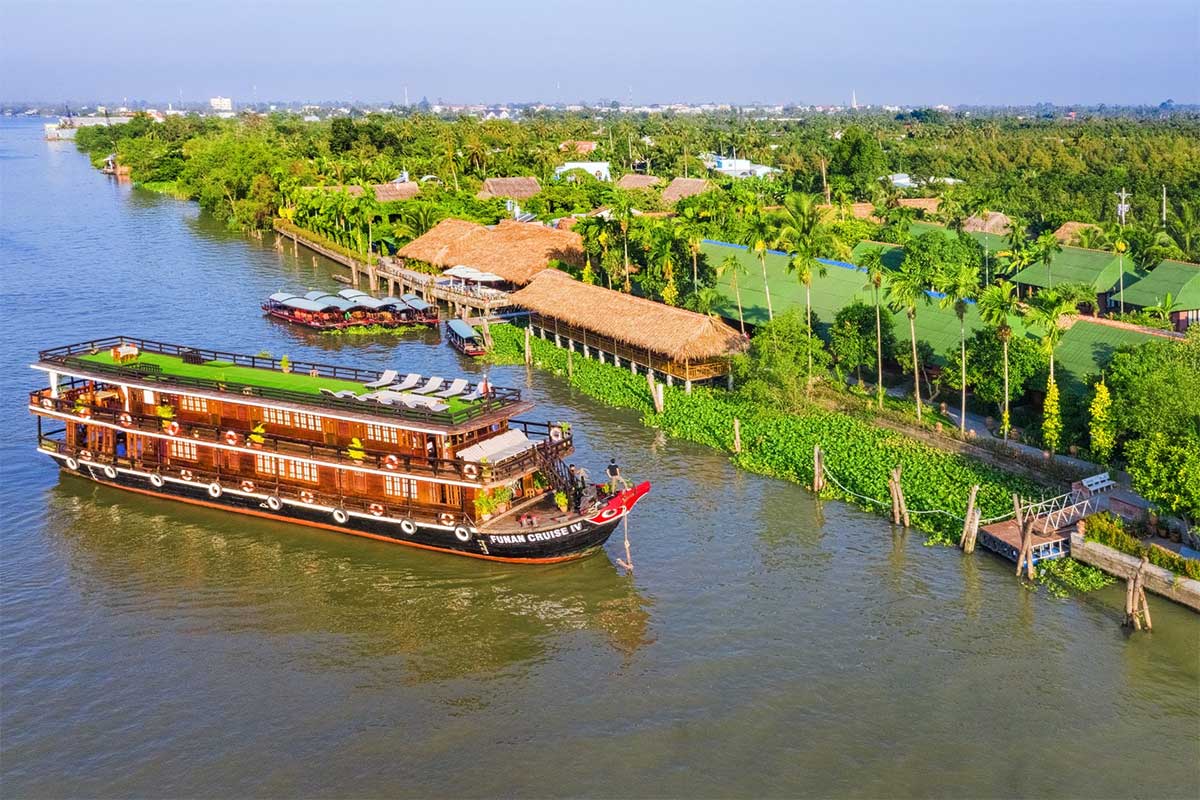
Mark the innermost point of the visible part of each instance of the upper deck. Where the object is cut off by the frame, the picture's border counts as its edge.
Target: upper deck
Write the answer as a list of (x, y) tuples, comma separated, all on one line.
[(202, 371)]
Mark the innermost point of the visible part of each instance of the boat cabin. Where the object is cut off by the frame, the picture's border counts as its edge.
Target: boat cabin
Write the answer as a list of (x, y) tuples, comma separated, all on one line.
[(464, 338)]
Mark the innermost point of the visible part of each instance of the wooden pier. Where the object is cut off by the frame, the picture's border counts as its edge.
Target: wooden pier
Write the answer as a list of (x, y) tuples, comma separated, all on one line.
[(1050, 525)]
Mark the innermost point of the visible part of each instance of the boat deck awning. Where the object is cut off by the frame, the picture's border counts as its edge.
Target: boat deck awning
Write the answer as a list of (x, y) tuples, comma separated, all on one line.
[(415, 303), (462, 329), (498, 448)]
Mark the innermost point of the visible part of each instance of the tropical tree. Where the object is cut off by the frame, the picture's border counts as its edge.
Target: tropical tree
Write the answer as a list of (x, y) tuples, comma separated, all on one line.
[(734, 267), (905, 291), (1120, 246), (997, 308), (1047, 246), (1163, 309), (1184, 229), (704, 301), (757, 235), (665, 240), (1101, 425), (959, 285), (621, 209), (691, 230), (1045, 311), (872, 262)]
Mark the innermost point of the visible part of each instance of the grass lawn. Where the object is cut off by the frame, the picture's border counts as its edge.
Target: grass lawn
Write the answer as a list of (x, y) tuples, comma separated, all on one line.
[(253, 376)]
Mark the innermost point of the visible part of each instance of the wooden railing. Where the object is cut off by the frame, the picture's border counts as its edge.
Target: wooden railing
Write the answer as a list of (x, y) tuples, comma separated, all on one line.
[(497, 398), (481, 473)]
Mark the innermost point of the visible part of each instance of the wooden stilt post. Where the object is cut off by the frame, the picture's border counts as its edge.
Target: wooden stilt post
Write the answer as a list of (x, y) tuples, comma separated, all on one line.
[(528, 349), (970, 523), (1025, 553), (570, 363), (900, 498), (818, 469), (894, 490), (1137, 610), (737, 435), (659, 399)]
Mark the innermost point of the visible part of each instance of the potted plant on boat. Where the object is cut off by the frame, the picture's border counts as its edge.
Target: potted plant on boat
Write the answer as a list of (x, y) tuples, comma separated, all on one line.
[(560, 500)]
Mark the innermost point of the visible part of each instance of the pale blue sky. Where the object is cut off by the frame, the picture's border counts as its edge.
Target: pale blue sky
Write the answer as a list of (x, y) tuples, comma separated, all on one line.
[(889, 51)]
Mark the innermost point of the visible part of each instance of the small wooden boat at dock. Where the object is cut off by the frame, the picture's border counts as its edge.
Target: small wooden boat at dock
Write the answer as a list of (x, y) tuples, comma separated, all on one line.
[(392, 457), (349, 308), (464, 338)]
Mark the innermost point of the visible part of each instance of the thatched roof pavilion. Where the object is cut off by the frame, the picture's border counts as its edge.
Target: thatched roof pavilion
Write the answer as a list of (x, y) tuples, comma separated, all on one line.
[(509, 188), (677, 342), (989, 222), (635, 181), (684, 187), (1068, 232), (516, 251)]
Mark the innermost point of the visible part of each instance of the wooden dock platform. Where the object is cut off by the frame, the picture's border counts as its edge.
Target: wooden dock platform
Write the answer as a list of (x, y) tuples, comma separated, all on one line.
[(1004, 539)]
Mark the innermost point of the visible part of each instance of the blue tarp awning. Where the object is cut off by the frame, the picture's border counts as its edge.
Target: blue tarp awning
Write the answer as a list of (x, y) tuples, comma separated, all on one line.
[(462, 329)]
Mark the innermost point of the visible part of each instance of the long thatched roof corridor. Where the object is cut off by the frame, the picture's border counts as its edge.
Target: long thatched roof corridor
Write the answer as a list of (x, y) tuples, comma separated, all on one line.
[(636, 322)]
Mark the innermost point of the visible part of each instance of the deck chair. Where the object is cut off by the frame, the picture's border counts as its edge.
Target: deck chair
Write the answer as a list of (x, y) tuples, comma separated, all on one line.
[(388, 377), (439, 407), (457, 387), (432, 385), (410, 380), (327, 392)]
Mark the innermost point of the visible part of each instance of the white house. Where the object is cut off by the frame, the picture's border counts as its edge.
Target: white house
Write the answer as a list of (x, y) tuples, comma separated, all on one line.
[(220, 103), (597, 169), (737, 167)]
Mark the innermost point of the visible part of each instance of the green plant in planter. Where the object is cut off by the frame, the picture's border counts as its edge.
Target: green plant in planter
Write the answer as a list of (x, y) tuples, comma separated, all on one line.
[(560, 500), (485, 505), (285, 365), (539, 480)]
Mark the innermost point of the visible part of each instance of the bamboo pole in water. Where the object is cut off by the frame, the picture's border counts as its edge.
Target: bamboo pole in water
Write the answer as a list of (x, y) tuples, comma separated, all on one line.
[(737, 435), (970, 523)]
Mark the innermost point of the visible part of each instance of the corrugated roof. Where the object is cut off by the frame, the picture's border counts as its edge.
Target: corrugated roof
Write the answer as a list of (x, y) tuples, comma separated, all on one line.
[(1179, 278), (1075, 265)]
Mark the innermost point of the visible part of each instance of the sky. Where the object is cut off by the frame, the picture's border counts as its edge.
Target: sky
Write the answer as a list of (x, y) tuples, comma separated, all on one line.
[(918, 52)]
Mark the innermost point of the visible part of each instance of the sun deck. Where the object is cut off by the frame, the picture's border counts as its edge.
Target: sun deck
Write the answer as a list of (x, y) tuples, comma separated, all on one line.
[(301, 383)]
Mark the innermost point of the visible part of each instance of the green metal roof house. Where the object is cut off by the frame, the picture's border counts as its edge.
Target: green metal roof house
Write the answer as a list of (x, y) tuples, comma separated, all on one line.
[(1181, 280)]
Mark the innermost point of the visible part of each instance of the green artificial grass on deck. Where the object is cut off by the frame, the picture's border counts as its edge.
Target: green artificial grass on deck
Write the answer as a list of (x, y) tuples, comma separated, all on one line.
[(225, 372)]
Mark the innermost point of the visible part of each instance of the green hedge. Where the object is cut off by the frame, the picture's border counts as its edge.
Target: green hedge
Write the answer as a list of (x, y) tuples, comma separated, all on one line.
[(1109, 530), (857, 453)]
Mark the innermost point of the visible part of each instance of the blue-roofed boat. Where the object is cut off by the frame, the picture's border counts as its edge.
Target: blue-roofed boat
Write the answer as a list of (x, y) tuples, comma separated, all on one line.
[(464, 338), (349, 308)]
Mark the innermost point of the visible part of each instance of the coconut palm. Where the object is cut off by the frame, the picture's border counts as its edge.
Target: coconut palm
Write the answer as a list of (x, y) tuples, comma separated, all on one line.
[(621, 209), (734, 267), (905, 291), (1045, 311), (1093, 238), (758, 232), (1184, 230), (997, 306), (959, 285), (692, 232), (1047, 246), (872, 262), (663, 245), (704, 301)]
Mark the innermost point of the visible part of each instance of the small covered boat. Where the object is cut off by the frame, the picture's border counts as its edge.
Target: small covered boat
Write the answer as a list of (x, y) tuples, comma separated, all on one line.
[(347, 309), (464, 338)]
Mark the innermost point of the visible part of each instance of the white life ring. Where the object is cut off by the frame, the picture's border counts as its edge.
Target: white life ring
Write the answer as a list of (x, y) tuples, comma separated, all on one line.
[(110, 471), (125, 419), (391, 462), (86, 455), (470, 470), (274, 503), (340, 516), (462, 534), (375, 509), (556, 434), (214, 490), (186, 474), (156, 480), (408, 526), (72, 464), (446, 519), (306, 496), (248, 487), (173, 428), (231, 438)]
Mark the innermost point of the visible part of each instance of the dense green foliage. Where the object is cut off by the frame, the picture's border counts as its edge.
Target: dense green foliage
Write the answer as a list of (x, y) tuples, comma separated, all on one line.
[(1109, 530), (778, 443)]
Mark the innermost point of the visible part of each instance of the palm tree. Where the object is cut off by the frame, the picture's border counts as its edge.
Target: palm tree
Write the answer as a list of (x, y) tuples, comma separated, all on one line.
[(665, 238), (959, 285), (758, 232), (905, 291), (997, 305), (1093, 238), (1046, 246), (1120, 246), (692, 232), (705, 300), (1163, 309), (621, 209), (872, 261), (733, 267), (1185, 230), (1044, 312)]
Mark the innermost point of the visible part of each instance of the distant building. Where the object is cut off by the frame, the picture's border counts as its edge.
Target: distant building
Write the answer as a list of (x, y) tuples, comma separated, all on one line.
[(509, 188), (737, 167), (902, 180), (635, 181), (220, 103), (597, 169), (581, 147), (680, 188)]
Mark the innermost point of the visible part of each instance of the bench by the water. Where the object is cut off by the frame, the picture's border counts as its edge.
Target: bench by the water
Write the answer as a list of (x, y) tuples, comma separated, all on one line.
[(1097, 483)]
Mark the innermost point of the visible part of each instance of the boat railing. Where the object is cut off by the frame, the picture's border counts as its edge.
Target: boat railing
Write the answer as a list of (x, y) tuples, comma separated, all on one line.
[(69, 355), (394, 507), (70, 404)]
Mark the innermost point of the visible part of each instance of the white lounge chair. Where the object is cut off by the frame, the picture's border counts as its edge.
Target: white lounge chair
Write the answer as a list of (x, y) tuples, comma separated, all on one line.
[(410, 380), (386, 379), (472, 396), (345, 394), (432, 385), (457, 387), (438, 407)]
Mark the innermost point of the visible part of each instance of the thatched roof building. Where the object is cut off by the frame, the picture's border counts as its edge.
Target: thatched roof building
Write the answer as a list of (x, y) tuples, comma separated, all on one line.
[(636, 181), (1068, 232), (509, 188), (581, 147), (928, 205), (384, 192), (672, 340), (516, 251), (989, 222), (684, 187)]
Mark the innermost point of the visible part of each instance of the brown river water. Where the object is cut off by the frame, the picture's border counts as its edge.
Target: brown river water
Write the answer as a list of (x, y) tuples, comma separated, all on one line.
[(769, 644)]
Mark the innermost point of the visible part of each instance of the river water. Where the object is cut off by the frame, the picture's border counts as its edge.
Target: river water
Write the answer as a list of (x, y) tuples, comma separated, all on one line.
[(768, 645)]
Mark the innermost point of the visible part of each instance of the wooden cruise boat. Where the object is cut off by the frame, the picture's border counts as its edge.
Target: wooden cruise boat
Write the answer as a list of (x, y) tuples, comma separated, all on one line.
[(464, 338), (349, 308), (405, 458)]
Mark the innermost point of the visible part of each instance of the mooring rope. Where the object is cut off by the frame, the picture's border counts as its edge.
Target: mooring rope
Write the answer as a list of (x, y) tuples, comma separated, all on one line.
[(955, 517)]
